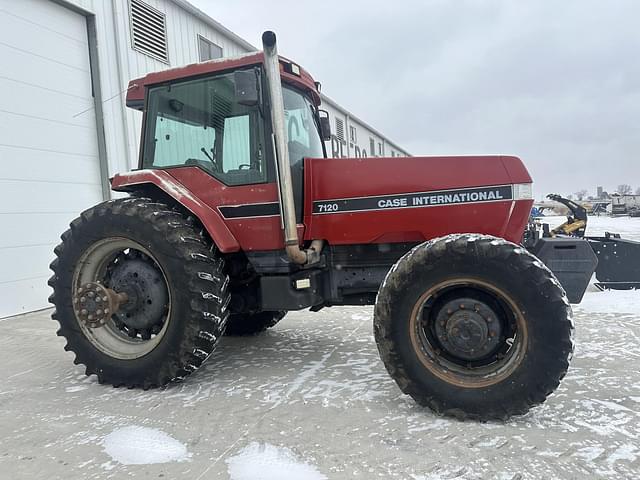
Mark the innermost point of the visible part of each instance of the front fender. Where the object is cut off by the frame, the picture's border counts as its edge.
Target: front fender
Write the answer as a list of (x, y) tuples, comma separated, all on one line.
[(209, 217)]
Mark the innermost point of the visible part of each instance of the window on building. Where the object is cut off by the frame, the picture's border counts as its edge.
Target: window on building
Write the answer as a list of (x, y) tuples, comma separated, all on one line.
[(340, 130), (372, 146), (208, 50), (353, 135), (148, 30), (379, 148)]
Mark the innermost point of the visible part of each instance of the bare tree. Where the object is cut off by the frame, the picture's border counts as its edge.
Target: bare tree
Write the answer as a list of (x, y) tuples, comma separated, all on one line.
[(638, 191), (581, 194), (624, 189)]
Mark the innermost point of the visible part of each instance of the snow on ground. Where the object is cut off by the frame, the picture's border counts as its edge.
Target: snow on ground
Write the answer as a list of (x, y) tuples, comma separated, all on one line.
[(618, 301), (135, 445), (267, 462), (311, 397)]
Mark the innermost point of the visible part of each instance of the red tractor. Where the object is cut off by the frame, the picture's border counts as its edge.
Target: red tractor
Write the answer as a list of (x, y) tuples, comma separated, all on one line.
[(235, 216)]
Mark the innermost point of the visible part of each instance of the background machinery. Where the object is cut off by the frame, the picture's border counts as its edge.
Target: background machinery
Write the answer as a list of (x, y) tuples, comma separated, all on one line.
[(618, 259)]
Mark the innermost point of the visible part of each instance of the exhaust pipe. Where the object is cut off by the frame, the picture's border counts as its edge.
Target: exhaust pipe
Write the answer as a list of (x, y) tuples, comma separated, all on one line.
[(283, 168)]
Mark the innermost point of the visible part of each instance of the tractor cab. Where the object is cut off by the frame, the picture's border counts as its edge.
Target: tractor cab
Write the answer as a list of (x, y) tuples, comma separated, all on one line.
[(215, 116)]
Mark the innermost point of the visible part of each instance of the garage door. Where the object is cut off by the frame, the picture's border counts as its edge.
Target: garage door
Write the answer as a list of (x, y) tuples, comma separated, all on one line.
[(48, 153)]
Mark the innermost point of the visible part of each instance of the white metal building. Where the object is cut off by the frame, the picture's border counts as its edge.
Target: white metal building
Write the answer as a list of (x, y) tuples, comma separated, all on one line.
[(64, 129)]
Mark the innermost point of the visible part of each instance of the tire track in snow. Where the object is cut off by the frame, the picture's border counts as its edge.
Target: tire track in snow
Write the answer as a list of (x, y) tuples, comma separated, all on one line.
[(298, 382)]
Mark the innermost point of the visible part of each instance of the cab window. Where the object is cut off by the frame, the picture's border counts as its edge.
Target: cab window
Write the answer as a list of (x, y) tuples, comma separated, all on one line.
[(199, 123), (302, 130)]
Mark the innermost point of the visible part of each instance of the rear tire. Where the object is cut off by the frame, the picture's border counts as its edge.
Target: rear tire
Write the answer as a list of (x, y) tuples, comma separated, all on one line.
[(241, 324), (473, 327), (153, 237)]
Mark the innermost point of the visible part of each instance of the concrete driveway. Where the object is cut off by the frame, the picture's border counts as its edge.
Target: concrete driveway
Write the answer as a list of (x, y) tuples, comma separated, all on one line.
[(310, 399)]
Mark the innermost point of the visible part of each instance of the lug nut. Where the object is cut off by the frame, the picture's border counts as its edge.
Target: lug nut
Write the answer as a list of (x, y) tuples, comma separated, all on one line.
[(91, 294), (83, 311), (80, 290), (83, 299), (99, 312), (90, 317), (104, 299), (106, 310), (462, 306)]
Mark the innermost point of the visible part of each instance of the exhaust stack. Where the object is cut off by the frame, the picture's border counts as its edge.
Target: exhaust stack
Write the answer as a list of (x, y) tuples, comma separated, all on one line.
[(283, 168)]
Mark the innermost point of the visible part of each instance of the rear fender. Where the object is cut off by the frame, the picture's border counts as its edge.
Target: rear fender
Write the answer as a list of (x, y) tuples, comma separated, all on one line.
[(209, 217)]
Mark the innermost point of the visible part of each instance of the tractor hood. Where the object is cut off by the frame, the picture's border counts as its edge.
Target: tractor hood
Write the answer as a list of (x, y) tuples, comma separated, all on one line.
[(412, 199)]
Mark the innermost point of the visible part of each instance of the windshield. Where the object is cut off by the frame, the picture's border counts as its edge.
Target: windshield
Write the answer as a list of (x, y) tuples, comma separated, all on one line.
[(302, 130)]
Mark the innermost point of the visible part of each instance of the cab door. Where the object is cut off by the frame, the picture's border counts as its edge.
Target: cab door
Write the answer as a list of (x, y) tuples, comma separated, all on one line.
[(210, 141)]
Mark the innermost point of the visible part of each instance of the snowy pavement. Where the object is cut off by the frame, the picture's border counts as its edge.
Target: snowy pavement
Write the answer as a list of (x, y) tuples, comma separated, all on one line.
[(310, 400)]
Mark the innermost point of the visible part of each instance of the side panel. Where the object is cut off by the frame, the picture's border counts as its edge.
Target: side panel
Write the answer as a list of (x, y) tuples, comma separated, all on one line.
[(250, 212), (411, 199)]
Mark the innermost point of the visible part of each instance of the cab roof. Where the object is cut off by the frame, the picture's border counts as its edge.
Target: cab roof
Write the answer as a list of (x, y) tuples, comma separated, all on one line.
[(301, 78)]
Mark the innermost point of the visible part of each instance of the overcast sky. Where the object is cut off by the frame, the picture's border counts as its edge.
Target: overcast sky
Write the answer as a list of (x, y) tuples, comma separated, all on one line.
[(554, 82)]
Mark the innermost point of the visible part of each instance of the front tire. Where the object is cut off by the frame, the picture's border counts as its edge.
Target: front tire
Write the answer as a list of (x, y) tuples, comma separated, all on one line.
[(473, 327), (175, 285)]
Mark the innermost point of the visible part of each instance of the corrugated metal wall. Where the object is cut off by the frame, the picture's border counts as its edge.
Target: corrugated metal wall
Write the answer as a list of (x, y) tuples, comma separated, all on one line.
[(364, 136), (119, 63)]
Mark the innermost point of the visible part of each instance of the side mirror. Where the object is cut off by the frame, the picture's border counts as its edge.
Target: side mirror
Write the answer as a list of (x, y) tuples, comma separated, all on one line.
[(325, 125), (246, 87)]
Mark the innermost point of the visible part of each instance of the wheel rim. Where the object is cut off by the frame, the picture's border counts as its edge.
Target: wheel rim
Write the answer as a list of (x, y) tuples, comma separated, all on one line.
[(127, 267), (468, 332)]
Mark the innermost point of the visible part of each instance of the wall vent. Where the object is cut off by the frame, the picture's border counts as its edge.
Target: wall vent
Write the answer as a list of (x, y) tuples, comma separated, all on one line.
[(148, 30)]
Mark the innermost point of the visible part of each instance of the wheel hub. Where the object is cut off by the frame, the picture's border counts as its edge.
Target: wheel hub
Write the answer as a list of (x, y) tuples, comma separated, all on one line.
[(94, 303), (146, 290), (468, 329)]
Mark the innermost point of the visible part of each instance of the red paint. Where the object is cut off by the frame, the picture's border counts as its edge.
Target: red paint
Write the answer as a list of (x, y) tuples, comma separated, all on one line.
[(258, 233), (136, 90), (327, 179), (518, 221), (210, 218)]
